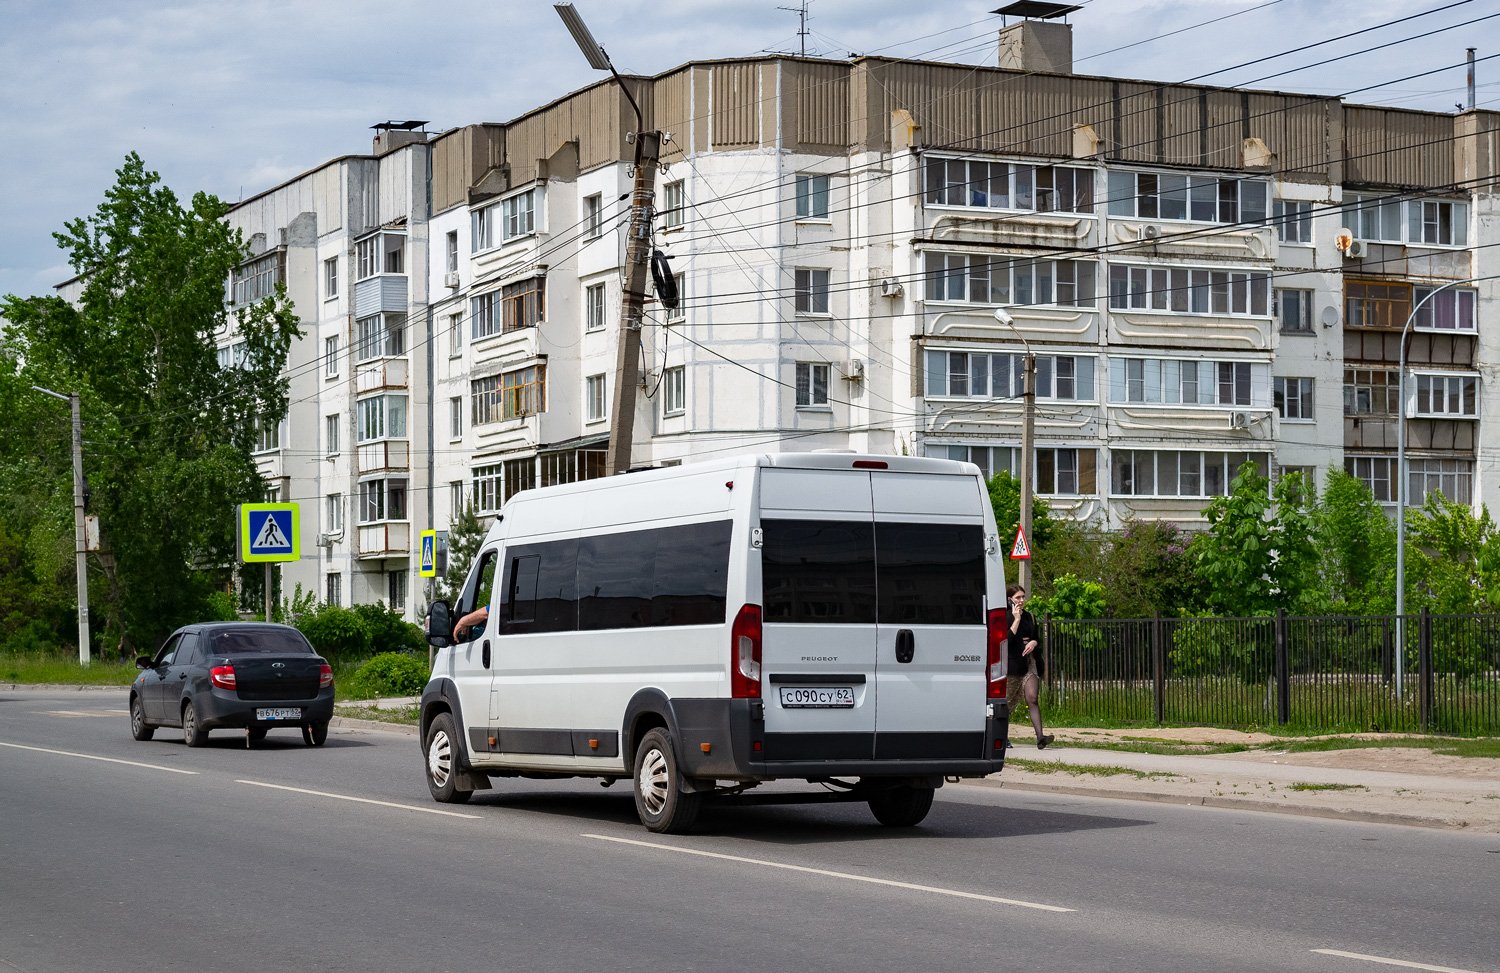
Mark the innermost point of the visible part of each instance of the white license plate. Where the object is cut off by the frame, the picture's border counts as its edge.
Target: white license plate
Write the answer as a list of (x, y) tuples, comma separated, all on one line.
[(279, 714), (817, 697)]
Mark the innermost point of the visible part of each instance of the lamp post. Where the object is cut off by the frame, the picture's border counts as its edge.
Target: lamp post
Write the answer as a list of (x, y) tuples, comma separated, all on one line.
[(1028, 431), (1402, 483), (80, 536)]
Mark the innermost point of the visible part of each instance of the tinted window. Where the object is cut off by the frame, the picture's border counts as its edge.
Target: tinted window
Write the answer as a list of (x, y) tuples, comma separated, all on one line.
[(540, 588), (930, 574), (818, 571), (263, 641), (189, 651), (167, 651), (668, 576)]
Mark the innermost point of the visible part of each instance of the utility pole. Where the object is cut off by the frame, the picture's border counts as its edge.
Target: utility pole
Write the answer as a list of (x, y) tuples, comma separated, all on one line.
[(637, 253), (1028, 432), (80, 535)]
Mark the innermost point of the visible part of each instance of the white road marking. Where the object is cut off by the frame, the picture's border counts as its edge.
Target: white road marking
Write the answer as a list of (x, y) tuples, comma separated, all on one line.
[(1391, 962), (111, 760), (361, 800), (82, 712), (844, 875)]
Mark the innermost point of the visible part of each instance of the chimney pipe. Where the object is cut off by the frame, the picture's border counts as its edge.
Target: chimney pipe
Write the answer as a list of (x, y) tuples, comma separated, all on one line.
[(1471, 79)]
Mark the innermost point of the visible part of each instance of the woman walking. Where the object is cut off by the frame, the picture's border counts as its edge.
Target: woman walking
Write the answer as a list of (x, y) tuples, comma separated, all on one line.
[(1025, 667)]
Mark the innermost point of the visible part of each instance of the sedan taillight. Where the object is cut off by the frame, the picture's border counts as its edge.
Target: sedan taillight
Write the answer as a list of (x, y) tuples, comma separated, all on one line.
[(325, 676), (222, 676)]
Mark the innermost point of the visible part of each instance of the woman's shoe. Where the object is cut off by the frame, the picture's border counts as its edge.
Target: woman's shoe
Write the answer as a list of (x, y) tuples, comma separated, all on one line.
[(1043, 740)]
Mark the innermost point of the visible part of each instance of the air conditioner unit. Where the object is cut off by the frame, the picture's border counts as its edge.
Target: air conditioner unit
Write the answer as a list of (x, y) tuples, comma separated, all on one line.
[(1240, 420), (1150, 232), (451, 278), (891, 287), (1356, 251), (852, 370), (325, 540)]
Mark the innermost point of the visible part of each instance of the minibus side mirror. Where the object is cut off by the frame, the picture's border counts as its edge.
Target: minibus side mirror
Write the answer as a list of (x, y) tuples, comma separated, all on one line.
[(439, 625)]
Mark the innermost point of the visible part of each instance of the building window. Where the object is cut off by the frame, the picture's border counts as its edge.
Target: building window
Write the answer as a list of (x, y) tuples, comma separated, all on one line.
[(382, 500), (1171, 196), (812, 384), (1066, 472), (1375, 472), (1007, 185), (812, 291), (1446, 310), (382, 417), (455, 335), (331, 278), (505, 220), (1453, 478), (331, 434), (331, 357), (257, 280), (1447, 395), (455, 499), (990, 459), (380, 335), (1293, 219), (519, 213), (1183, 290), (487, 489), (1294, 311), (593, 215), (594, 307), (483, 311), (521, 304), (984, 280), (394, 254), (367, 258), (523, 391), (483, 229), (559, 468), (333, 590), (674, 204), (267, 435), (1437, 222), (674, 391), (484, 394), (396, 588), (1168, 381), (679, 313), (593, 398), (812, 197), (961, 374), (1178, 473), (591, 464), (334, 512), (1374, 218), (1376, 304), (451, 265), (520, 474), (1294, 398), (456, 417), (1370, 391)]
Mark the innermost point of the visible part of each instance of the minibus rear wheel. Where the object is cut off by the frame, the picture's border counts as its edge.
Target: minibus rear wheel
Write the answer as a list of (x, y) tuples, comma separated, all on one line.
[(659, 800), (902, 806)]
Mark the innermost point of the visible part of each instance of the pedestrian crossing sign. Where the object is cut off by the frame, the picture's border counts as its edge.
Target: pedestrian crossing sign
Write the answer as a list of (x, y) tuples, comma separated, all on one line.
[(1021, 550), (429, 554), (269, 532)]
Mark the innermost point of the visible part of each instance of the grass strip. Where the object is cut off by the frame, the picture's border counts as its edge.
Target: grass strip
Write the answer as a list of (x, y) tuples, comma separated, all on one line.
[(405, 715), (1303, 786), (1079, 770), (47, 667)]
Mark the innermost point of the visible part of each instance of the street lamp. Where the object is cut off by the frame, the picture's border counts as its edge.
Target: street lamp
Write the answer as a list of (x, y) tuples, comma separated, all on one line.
[(1402, 483), (80, 536), (1028, 431)]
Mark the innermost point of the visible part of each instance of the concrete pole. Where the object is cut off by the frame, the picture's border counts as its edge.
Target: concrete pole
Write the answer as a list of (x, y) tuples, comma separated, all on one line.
[(632, 303), (1028, 432), (80, 535)]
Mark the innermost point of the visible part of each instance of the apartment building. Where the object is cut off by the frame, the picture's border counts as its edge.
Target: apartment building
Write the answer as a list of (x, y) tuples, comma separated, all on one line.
[(843, 234)]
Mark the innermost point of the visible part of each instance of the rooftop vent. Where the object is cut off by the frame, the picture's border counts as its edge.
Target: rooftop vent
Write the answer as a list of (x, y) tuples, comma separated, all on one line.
[(1037, 44), (392, 135)]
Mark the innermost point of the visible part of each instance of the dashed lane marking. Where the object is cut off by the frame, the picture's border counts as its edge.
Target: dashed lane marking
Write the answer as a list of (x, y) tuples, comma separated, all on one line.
[(844, 875), (81, 712), (359, 800), (1392, 962), (109, 760)]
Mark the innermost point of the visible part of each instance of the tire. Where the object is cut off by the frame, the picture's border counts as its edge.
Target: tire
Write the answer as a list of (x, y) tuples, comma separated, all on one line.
[(257, 734), (659, 800), (139, 728), (442, 762), (192, 734), (901, 807), (315, 734)]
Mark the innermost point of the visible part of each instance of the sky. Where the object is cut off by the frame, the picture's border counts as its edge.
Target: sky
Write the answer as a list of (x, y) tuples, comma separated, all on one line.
[(233, 98)]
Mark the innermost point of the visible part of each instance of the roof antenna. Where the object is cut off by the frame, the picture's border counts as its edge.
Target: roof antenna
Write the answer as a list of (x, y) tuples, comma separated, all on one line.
[(801, 13)]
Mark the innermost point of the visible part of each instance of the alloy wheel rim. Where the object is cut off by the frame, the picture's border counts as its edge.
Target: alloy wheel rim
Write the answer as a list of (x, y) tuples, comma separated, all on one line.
[(440, 758), (188, 721), (653, 781), (136, 718)]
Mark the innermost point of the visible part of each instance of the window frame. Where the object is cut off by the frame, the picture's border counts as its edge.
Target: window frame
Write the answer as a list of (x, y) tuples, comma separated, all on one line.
[(593, 216), (455, 418), (1464, 385), (331, 278), (1227, 468), (1251, 376), (1188, 291), (674, 391), (1027, 187), (377, 421), (812, 197), (1304, 302), (806, 386), (331, 357), (332, 426), (1294, 395), (1455, 303), (450, 264), (596, 398), (595, 303), (812, 287), (1293, 221), (674, 205), (1024, 281)]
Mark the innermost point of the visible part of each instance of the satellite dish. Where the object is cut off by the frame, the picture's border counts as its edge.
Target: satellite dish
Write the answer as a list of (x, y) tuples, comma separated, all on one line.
[(666, 284), (1330, 316), (1344, 239)]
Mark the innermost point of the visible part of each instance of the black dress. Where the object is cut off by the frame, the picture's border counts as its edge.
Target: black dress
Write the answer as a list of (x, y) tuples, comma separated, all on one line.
[(1016, 645)]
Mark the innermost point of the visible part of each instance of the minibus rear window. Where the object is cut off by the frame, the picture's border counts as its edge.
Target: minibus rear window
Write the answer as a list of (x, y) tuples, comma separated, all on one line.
[(930, 574), (819, 571)]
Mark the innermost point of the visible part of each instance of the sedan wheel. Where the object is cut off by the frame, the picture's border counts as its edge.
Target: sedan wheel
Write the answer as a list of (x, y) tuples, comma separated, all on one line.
[(192, 734), (139, 728)]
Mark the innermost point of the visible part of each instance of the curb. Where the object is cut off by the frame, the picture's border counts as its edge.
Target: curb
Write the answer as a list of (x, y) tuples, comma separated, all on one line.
[(52, 687), (1235, 804), (350, 723)]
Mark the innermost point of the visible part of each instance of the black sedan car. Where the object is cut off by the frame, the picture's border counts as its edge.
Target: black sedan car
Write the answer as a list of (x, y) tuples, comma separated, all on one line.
[(248, 676)]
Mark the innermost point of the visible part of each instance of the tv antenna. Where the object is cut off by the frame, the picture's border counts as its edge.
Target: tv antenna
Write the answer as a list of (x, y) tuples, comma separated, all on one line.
[(802, 31)]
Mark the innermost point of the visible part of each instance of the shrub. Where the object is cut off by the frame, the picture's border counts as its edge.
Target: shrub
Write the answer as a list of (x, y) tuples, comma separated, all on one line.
[(388, 674), (1071, 598), (335, 631), (219, 607), (389, 632)]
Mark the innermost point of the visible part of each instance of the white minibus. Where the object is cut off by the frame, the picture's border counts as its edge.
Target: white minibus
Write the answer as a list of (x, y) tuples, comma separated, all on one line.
[(829, 617)]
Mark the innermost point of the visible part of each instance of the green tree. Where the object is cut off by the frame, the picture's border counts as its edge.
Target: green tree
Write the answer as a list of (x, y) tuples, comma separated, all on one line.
[(1451, 557), (1005, 497), (168, 432), (465, 535), (1072, 598), (1237, 555), (1358, 543)]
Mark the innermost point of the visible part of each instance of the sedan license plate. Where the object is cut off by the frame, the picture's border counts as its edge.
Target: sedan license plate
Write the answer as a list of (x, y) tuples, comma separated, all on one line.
[(293, 713), (817, 697)]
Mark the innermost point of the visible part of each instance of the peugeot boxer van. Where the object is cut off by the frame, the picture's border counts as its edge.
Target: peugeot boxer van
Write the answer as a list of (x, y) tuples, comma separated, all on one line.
[(834, 618)]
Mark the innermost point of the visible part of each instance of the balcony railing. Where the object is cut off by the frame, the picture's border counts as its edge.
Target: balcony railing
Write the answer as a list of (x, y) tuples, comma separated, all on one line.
[(386, 373), (384, 540), (387, 454)]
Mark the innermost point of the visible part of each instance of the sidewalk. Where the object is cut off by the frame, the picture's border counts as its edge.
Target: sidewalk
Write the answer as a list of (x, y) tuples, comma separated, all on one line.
[(1409, 786)]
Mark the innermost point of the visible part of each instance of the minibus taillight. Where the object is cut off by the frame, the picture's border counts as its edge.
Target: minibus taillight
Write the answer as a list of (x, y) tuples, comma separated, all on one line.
[(996, 636), (744, 654), (222, 676)]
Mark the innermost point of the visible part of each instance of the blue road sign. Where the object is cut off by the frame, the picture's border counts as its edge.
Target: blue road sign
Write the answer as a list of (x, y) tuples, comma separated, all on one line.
[(429, 554), (268, 532)]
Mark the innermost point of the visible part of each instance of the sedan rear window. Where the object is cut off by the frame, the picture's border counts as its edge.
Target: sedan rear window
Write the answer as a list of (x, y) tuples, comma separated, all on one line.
[(262, 641)]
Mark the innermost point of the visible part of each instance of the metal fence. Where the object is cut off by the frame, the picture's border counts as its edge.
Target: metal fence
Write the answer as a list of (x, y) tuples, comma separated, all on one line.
[(1427, 673)]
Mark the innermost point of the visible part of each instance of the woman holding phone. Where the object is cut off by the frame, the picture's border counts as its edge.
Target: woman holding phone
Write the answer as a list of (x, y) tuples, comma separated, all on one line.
[(1025, 666)]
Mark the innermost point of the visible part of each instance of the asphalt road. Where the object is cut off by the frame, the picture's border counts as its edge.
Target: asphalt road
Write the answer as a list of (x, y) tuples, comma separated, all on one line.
[(219, 859)]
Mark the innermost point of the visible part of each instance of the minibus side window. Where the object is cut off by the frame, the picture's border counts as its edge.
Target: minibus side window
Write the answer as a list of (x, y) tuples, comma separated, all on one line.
[(520, 593), (540, 585), (691, 577), (481, 585)]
